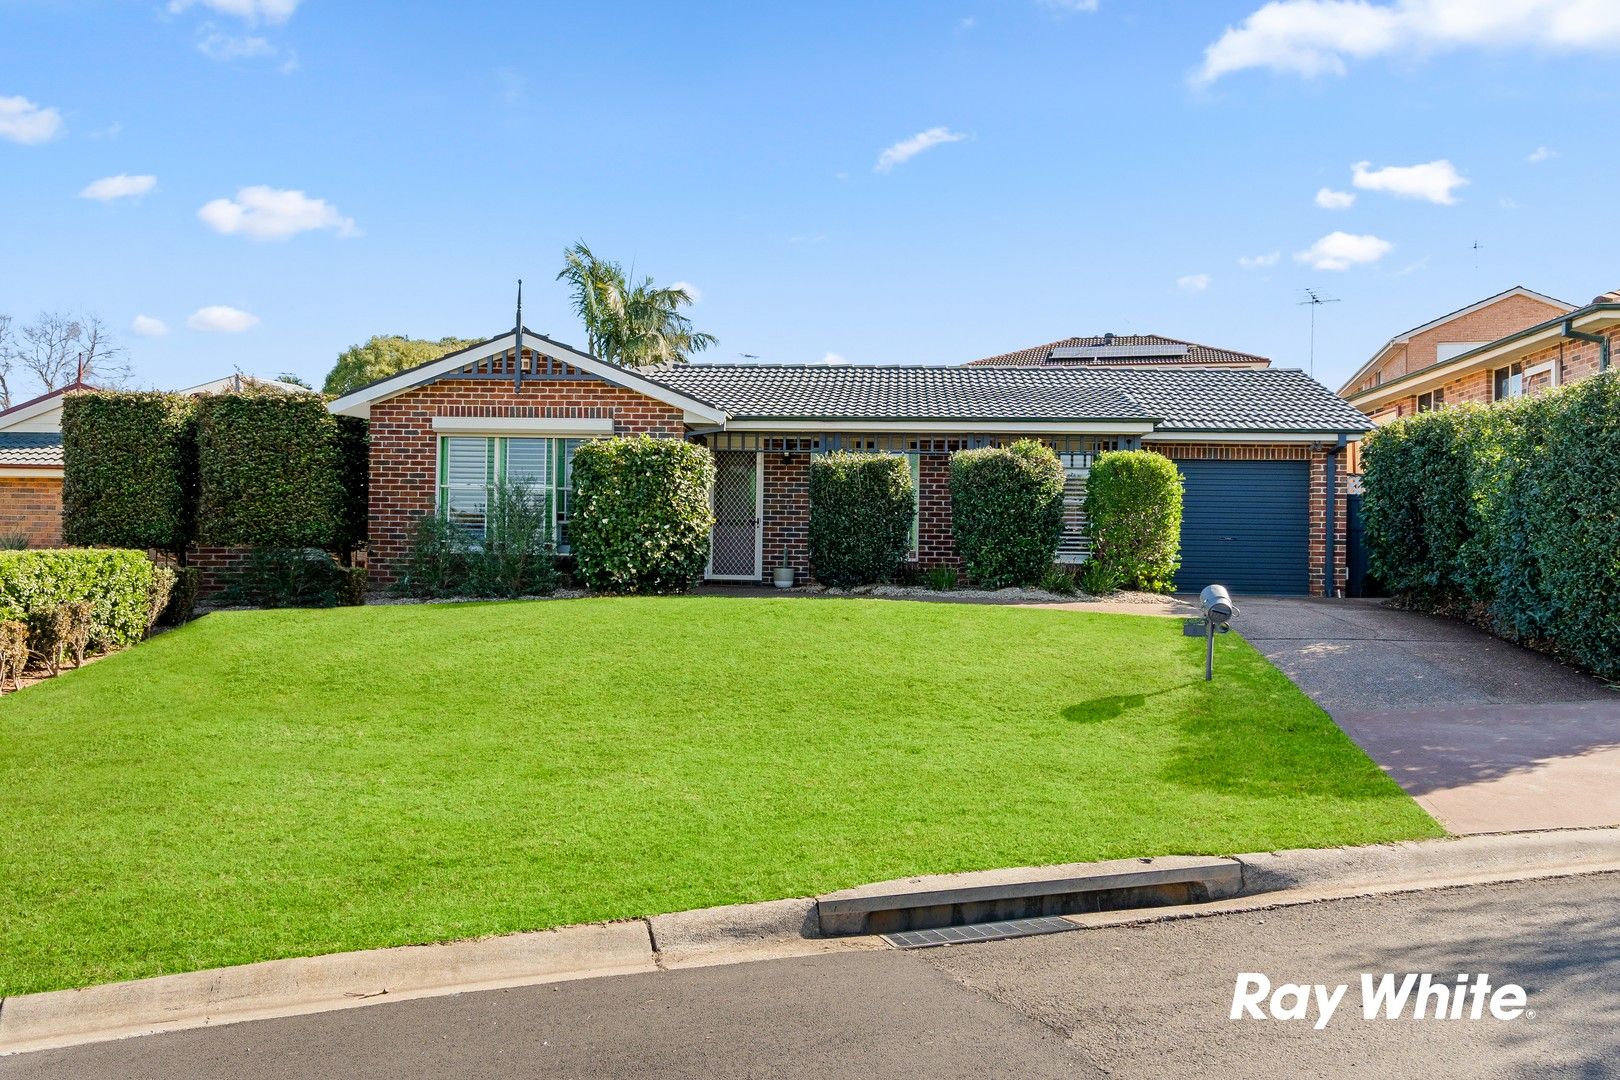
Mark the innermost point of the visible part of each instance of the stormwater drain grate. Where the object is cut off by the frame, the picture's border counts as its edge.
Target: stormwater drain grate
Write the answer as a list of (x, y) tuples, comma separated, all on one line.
[(989, 931)]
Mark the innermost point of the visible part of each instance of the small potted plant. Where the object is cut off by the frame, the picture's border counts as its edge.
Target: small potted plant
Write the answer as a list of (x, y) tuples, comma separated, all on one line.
[(784, 573)]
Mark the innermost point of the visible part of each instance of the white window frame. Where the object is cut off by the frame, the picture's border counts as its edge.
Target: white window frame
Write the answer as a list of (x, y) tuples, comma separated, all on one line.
[(556, 489)]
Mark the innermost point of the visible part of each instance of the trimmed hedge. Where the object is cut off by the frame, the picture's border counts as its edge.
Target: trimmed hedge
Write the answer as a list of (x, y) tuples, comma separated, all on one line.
[(1133, 513), (1007, 512), (130, 470), (118, 585), (270, 471), (1510, 514), (860, 517), (640, 517)]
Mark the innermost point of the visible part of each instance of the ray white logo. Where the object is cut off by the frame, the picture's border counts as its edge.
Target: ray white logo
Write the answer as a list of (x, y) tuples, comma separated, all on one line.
[(1388, 997)]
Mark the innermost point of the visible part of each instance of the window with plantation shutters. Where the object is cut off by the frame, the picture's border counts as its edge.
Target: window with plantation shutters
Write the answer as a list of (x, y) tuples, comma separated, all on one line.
[(471, 467)]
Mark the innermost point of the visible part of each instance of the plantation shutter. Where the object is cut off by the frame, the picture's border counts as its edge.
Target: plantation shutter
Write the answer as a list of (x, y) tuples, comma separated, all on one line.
[(467, 467)]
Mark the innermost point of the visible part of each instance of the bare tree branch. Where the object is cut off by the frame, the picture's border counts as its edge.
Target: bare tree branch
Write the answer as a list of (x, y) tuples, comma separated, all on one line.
[(57, 349), (8, 360)]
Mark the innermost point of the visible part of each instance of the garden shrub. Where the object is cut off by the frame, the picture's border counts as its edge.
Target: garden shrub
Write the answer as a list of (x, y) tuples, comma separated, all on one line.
[(861, 507), (1098, 578), (1533, 544), (129, 469), (270, 472), (159, 594), (1133, 512), (117, 585), (1007, 512), (941, 578), (57, 632), (13, 647), (182, 597), (354, 476), (14, 541), (516, 556), (286, 577), (640, 517), (1060, 579)]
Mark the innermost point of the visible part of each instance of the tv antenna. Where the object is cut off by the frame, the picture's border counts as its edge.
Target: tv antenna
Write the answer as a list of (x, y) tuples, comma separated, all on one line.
[(1476, 246), (1314, 300)]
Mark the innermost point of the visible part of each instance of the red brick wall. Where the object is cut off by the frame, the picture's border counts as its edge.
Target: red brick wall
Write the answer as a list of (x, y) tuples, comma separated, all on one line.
[(32, 506), (404, 450), (936, 544), (1317, 456), (787, 513)]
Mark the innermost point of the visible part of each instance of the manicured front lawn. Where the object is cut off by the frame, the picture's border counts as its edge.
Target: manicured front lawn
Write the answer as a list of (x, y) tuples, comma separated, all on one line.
[(266, 784)]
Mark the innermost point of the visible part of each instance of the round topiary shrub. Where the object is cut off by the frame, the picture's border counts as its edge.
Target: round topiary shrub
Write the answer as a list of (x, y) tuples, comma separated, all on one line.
[(1007, 512), (1133, 511), (861, 508), (640, 517)]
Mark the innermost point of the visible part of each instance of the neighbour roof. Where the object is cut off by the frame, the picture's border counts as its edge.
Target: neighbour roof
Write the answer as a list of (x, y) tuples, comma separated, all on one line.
[(1112, 349), (30, 448), (1180, 399)]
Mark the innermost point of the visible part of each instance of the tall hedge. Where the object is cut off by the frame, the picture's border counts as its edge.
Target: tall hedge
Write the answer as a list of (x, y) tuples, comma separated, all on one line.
[(1532, 543), (1133, 513), (129, 475), (1007, 512), (118, 585), (270, 471), (640, 517), (861, 508)]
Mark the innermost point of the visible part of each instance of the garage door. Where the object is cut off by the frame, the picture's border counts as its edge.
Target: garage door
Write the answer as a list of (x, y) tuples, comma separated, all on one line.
[(1246, 524)]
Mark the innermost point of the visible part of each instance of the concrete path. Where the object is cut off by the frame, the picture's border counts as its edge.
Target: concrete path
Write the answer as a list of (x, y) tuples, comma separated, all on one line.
[(1487, 736), (1149, 1001)]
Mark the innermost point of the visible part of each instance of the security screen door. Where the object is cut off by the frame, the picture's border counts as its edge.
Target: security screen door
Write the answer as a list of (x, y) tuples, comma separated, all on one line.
[(734, 547)]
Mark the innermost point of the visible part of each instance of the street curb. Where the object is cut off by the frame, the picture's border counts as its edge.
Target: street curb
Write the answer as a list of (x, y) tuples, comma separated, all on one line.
[(725, 935)]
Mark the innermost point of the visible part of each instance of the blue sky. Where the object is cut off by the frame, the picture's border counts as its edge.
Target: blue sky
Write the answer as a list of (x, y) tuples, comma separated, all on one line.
[(1087, 168)]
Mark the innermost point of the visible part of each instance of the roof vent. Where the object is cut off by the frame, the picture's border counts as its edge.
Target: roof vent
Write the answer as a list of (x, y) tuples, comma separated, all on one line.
[(1108, 339)]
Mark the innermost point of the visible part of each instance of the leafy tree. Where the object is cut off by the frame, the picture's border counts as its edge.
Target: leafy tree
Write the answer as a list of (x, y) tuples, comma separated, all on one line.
[(386, 355), (630, 324)]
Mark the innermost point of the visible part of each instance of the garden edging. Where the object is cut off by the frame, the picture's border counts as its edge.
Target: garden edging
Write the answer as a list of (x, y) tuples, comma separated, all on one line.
[(731, 934)]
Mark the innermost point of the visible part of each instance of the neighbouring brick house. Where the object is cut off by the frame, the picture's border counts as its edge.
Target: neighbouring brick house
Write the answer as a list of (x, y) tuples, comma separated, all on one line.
[(1260, 449), (1123, 350), (31, 469), (1445, 361)]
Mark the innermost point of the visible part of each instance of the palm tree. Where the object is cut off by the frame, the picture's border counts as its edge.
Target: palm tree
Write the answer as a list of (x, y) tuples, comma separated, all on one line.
[(632, 325)]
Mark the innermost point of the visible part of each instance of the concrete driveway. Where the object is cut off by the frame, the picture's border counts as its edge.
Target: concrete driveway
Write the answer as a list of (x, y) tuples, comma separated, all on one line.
[(1487, 736)]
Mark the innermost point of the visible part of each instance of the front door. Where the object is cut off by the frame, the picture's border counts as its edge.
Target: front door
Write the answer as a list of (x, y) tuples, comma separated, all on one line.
[(734, 547)]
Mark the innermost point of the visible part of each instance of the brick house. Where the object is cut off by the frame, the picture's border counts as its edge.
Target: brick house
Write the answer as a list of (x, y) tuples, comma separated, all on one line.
[(1260, 449), (1130, 350), (31, 468), (1444, 360)]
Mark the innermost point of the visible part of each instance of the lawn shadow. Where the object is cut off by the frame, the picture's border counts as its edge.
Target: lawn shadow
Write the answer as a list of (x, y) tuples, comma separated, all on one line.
[(1108, 708)]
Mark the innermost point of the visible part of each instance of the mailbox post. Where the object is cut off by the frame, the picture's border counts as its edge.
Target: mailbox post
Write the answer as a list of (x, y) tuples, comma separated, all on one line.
[(1217, 607)]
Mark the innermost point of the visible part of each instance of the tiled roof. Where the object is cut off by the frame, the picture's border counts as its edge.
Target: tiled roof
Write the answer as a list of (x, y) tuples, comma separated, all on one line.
[(1180, 399), (1176, 352), (30, 448), (1212, 399), (817, 391)]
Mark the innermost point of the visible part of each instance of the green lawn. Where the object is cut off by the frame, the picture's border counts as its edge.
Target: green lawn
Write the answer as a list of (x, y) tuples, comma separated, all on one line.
[(267, 784)]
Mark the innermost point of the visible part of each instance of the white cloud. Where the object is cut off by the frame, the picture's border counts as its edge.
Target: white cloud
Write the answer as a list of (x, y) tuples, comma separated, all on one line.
[(122, 186), (251, 11), (1433, 181), (1328, 199), (1251, 262), (267, 213), (1319, 37), (1540, 154), (906, 149), (967, 23), (147, 326), (1193, 282), (690, 289), (1342, 250), (1068, 7), (219, 319), (226, 47), (1507, 203), (24, 122), (834, 359)]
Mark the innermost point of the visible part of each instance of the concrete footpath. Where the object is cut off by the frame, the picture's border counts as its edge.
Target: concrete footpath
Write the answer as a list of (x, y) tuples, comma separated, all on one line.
[(731, 935)]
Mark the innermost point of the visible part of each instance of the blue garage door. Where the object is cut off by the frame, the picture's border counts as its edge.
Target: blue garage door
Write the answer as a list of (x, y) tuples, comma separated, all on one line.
[(1246, 525)]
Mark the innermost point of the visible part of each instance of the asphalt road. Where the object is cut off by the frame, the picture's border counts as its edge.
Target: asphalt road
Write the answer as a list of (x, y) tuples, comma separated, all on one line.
[(1143, 1001)]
